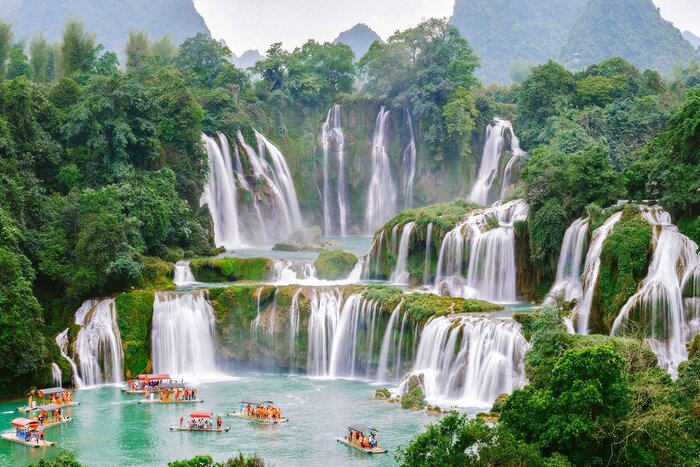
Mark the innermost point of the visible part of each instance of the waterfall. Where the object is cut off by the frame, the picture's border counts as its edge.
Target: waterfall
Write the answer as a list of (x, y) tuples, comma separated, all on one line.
[(56, 375), (182, 337), (388, 347), (325, 313), (293, 327), (657, 309), (490, 160), (567, 285), (98, 345), (485, 243), (426, 265), (332, 137), (401, 274), (356, 321), (183, 274), (221, 194), (62, 342), (470, 360), (381, 196), (591, 270), (408, 164)]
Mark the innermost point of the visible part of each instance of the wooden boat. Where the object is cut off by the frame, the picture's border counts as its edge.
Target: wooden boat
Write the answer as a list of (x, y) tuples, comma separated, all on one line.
[(24, 426), (170, 393), (197, 418), (244, 413), (350, 440), (169, 401), (146, 382), (44, 397), (48, 411)]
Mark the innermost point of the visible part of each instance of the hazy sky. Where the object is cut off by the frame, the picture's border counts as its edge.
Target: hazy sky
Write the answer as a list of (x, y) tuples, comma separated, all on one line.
[(255, 24)]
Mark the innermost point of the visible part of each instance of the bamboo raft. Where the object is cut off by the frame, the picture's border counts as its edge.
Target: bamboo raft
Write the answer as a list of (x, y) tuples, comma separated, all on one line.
[(374, 450), (32, 444), (266, 421), (214, 430), (49, 424), (159, 401)]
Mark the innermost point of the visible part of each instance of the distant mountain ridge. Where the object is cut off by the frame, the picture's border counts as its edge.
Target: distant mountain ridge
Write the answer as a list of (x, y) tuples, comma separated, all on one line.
[(575, 32), (110, 20), (359, 38), (247, 59), (692, 38)]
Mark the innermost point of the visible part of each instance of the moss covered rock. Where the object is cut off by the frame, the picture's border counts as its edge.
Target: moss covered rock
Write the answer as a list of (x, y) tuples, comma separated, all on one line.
[(421, 306), (414, 397), (231, 269), (134, 317), (156, 274), (334, 264), (382, 393)]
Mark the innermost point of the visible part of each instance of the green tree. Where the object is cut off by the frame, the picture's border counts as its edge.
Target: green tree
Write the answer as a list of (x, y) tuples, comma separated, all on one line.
[(77, 49), (39, 58), (137, 49), (6, 46), (204, 57), (19, 64)]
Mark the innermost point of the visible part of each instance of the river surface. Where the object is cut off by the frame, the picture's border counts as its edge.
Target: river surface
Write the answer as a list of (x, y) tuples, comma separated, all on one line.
[(110, 429)]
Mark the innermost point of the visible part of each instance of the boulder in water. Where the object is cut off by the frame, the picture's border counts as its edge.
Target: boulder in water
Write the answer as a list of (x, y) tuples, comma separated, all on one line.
[(382, 393), (414, 397), (334, 264), (306, 236)]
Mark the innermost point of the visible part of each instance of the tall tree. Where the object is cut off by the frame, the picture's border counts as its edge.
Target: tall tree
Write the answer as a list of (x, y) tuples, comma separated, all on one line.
[(77, 49), (19, 64), (137, 49), (39, 57), (5, 46)]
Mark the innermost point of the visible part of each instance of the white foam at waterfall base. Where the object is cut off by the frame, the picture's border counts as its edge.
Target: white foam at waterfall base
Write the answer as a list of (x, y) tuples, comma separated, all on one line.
[(381, 195), (182, 336), (98, 345), (485, 244), (285, 272), (567, 285), (591, 271), (659, 301), (468, 361), (183, 274)]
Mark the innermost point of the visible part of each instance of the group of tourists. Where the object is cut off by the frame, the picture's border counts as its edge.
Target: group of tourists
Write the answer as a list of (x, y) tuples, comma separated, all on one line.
[(29, 435), (185, 394), (57, 416), (202, 423), (264, 412), (359, 438)]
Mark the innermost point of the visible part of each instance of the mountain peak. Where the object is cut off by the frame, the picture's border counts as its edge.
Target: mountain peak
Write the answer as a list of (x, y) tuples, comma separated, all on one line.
[(359, 38)]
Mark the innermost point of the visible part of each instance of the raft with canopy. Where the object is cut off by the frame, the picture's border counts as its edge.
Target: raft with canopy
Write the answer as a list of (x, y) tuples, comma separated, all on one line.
[(263, 412), (49, 415), (360, 439), (172, 392), (146, 382), (201, 421), (27, 432), (56, 395)]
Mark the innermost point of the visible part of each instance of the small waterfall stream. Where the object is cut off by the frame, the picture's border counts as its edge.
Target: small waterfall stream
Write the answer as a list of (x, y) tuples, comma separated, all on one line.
[(182, 337), (381, 196), (400, 275), (56, 375), (428, 248), (591, 271), (62, 342), (98, 345), (183, 274), (332, 137), (567, 285), (408, 164), (470, 360)]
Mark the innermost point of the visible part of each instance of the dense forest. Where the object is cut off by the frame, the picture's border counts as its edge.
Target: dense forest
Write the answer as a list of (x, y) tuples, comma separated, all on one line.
[(102, 167)]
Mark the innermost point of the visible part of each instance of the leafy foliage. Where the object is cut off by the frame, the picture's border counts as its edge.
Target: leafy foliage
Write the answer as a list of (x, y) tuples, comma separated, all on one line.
[(335, 264)]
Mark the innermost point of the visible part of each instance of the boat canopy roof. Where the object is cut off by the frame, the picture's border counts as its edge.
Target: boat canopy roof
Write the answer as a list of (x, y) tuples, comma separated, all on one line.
[(49, 391), (359, 429), (25, 423), (200, 415), (150, 376), (47, 407), (257, 403)]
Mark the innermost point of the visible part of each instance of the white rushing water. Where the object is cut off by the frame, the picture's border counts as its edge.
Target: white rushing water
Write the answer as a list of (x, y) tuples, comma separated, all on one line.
[(470, 360), (182, 335), (183, 274), (56, 375), (381, 196), (335, 215), (325, 313), (657, 309), (477, 257), (494, 146), (428, 249), (408, 164), (221, 194), (62, 342), (567, 285), (591, 271), (400, 275), (98, 346)]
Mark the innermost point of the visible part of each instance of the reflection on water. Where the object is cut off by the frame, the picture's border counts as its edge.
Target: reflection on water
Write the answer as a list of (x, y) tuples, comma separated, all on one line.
[(111, 429)]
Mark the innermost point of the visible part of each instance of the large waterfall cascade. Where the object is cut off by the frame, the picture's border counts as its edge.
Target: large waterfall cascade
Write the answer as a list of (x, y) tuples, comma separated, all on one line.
[(658, 306), (98, 346), (182, 336), (470, 359), (400, 275), (477, 257), (567, 285), (381, 196), (335, 214), (591, 271), (481, 192)]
